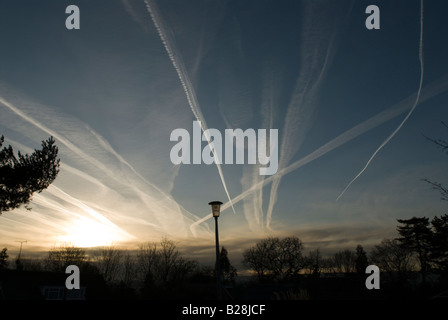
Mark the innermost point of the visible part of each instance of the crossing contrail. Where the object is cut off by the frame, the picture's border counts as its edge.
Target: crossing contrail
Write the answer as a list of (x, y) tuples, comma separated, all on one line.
[(316, 55), (116, 177), (179, 66), (431, 91), (409, 113)]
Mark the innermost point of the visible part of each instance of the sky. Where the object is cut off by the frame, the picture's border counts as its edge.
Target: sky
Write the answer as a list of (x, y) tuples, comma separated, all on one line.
[(351, 106)]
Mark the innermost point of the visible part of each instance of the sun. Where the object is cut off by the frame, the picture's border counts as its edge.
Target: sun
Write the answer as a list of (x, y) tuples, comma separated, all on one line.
[(85, 232)]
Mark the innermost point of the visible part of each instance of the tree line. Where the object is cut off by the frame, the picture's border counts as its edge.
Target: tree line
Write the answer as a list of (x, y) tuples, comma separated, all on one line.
[(421, 246), (157, 269)]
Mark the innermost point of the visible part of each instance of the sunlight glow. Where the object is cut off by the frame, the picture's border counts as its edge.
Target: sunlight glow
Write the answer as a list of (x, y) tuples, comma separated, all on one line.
[(86, 232)]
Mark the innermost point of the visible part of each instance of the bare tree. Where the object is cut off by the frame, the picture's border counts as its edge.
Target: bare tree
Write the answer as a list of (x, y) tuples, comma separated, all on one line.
[(345, 261), (108, 259), (162, 264), (263, 258), (254, 258), (146, 257), (392, 257), (291, 257), (314, 263), (171, 266), (275, 258), (442, 144), (129, 269), (59, 258)]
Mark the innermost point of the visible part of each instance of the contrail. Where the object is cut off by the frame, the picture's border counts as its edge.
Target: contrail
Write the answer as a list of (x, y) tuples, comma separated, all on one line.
[(165, 201), (409, 113), (179, 66), (76, 149), (431, 91), (59, 137), (302, 103)]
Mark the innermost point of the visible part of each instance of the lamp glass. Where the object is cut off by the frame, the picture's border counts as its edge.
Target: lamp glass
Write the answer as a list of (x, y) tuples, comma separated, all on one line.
[(215, 210)]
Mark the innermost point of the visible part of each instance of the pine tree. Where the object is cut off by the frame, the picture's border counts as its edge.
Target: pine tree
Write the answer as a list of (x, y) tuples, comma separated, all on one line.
[(361, 260), (21, 177), (416, 235), (439, 250), (228, 271)]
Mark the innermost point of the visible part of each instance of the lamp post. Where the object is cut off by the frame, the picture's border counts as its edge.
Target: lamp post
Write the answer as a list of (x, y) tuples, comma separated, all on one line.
[(216, 208)]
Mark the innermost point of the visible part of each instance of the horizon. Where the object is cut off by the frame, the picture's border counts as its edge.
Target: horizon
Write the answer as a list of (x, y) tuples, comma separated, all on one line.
[(352, 107)]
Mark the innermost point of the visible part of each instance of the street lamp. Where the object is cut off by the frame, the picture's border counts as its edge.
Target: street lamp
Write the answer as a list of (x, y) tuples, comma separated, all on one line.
[(216, 208)]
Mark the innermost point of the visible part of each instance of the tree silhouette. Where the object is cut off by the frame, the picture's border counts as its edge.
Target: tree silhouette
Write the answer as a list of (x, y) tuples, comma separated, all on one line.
[(392, 257), (59, 258), (3, 259), (108, 260), (442, 144), (345, 261), (439, 248), (361, 260), (315, 263), (228, 271), (416, 236), (255, 258), (21, 176), (163, 268), (275, 258)]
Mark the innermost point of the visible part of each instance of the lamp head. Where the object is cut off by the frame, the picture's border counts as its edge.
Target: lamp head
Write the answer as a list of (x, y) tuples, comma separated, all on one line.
[(216, 207)]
